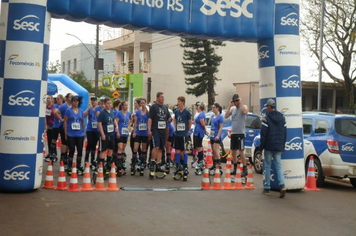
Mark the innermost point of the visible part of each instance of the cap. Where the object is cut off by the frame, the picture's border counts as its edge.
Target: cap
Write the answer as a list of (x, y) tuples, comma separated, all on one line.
[(93, 98), (197, 103), (271, 103), (75, 98), (235, 96), (102, 98)]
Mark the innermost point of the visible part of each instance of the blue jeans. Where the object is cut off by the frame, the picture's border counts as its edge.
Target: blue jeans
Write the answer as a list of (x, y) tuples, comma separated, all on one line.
[(276, 155)]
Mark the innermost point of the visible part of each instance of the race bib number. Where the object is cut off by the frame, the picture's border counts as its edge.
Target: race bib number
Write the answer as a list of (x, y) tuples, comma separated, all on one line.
[(142, 126), (48, 112), (94, 124), (75, 126), (125, 131), (212, 133), (161, 124), (110, 128), (181, 127)]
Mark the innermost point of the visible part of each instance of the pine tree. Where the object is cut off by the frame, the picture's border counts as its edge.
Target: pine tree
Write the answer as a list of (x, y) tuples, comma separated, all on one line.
[(200, 65)]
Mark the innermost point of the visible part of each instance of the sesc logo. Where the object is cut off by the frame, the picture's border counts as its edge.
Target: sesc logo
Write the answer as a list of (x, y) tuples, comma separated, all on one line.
[(20, 99), (236, 7), (348, 147), (292, 82), (295, 144), (13, 174), (290, 20), (23, 24), (263, 52)]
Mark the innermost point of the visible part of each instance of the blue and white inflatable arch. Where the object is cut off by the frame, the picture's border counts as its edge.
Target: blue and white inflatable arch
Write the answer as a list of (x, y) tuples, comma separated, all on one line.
[(24, 48)]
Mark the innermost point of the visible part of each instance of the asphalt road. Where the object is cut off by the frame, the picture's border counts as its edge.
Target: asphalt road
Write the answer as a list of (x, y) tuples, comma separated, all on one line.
[(330, 211)]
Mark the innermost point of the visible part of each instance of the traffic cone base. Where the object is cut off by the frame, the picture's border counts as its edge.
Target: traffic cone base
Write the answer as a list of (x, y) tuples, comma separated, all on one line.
[(205, 183), (86, 185), (112, 186), (217, 180), (310, 184), (99, 185), (49, 184), (249, 183)]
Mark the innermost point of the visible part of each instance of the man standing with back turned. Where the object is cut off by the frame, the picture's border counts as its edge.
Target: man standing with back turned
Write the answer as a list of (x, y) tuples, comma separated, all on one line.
[(273, 139)]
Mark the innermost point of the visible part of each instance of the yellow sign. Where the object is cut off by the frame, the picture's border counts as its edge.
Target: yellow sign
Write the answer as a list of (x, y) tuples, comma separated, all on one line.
[(115, 94)]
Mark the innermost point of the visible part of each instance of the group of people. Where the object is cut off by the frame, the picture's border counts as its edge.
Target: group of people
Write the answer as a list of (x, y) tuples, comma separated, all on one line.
[(155, 128)]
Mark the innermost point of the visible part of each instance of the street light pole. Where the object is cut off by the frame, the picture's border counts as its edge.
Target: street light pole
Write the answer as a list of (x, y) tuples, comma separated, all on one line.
[(321, 53)]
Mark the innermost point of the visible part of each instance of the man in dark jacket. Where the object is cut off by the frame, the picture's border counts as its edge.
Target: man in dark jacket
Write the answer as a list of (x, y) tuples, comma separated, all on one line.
[(273, 139)]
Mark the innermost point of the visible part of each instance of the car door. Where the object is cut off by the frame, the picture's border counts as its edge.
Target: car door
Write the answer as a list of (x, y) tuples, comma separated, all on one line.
[(252, 129)]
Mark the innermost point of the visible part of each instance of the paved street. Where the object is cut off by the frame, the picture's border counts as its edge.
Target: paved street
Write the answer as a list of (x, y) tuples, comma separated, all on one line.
[(210, 212)]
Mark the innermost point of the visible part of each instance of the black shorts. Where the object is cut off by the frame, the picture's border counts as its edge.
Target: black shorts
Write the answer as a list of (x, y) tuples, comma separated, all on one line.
[(122, 140), (237, 142), (158, 139), (180, 143), (212, 141), (109, 143), (198, 141), (61, 131), (171, 139), (141, 139)]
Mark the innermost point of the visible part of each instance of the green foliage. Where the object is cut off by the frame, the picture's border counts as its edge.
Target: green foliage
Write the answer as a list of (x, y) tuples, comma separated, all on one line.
[(80, 79), (54, 67), (200, 64)]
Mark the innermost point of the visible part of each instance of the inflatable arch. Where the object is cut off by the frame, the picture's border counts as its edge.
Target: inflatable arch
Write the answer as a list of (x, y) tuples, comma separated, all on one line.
[(24, 48)]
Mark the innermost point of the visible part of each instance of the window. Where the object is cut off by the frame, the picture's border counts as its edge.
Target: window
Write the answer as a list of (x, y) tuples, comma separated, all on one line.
[(253, 122), (142, 54), (345, 127), (75, 65), (68, 66), (307, 126), (63, 67), (123, 58), (149, 55), (321, 127)]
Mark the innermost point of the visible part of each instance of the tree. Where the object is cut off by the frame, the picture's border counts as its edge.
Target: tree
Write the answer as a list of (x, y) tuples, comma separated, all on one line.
[(201, 64), (54, 67), (339, 40), (79, 77)]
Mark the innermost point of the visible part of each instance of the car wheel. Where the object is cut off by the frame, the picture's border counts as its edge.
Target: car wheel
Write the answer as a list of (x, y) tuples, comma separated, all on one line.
[(319, 175), (353, 182), (258, 163)]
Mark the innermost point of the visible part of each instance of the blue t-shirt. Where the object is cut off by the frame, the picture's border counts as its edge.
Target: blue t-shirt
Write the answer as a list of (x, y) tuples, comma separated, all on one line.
[(123, 123), (74, 123), (92, 124), (63, 108), (199, 131), (56, 121), (107, 121), (171, 129), (182, 119), (215, 126), (98, 108), (142, 120)]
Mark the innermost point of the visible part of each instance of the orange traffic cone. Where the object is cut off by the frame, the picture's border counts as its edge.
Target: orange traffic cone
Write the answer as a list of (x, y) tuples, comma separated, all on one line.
[(228, 162), (99, 185), (62, 183), (209, 156), (217, 181), (73, 184), (59, 143), (86, 185), (238, 183), (249, 183), (44, 150), (311, 181), (173, 153), (205, 183), (227, 180), (49, 184), (112, 186)]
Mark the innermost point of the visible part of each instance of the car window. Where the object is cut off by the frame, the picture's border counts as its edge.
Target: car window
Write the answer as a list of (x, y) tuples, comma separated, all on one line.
[(253, 122), (321, 127), (307, 126), (345, 127)]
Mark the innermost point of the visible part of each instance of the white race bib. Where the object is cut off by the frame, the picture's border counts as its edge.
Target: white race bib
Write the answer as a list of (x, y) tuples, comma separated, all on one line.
[(161, 124), (142, 126), (94, 124), (181, 127), (212, 133), (75, 126), (110, 128), (125, 131), (48, 112)]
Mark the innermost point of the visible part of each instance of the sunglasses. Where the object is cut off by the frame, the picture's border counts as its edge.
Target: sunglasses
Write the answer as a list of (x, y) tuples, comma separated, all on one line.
[(235, 100)]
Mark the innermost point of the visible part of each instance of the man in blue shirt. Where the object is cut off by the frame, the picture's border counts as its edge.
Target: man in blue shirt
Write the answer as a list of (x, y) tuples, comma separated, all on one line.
[(183, 122)]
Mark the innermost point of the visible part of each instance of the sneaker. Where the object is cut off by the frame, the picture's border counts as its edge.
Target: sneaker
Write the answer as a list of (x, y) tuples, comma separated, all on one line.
[(80, 171), (93, 166), (185, 174), (244, 171), (282, 192), (266, 192), (47, 159), (233, 172)]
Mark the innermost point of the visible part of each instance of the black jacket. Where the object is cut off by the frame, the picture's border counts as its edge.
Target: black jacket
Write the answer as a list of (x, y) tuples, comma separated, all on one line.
[(273, 132)]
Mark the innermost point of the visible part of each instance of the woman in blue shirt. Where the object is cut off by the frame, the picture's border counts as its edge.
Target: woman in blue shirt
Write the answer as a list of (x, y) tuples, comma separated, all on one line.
[(217, 123), (199, 131), (74, 131), (122, 120), (92, 132)]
